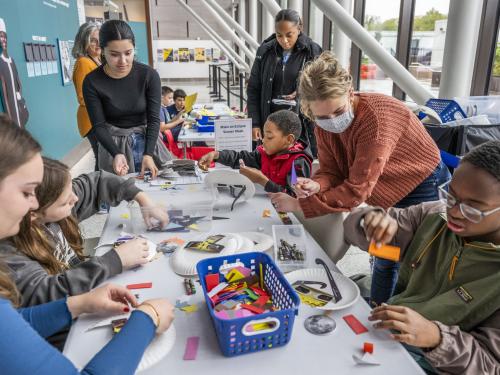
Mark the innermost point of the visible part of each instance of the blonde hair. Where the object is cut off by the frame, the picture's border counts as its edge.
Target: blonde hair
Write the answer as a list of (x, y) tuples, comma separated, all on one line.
[(322, 79)]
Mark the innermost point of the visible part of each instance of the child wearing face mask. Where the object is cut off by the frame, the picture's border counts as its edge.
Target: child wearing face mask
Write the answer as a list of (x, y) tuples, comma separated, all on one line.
[(46, 256), (270, 164)]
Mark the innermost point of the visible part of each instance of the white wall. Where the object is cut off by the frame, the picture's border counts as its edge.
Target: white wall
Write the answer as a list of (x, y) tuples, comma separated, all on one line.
[(177, 69)]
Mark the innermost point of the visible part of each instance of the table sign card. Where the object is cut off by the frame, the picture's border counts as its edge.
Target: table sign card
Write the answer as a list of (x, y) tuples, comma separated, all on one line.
[(233, 134)]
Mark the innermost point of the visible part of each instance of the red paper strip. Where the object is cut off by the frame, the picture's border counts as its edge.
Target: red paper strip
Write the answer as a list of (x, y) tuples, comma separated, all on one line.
[(212, 281), (252, 308), (140, 286), (355, 324)]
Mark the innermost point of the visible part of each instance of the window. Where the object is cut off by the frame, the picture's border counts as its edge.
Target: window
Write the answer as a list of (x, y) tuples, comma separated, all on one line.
[(427, 42), (495, 70), (382, 23)]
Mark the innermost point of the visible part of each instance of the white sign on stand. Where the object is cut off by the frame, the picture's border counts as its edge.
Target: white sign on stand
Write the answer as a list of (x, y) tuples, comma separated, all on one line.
[(233, 134)]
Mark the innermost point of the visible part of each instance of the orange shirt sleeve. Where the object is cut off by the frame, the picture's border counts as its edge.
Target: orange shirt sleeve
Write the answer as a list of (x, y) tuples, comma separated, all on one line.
[(83, 66)]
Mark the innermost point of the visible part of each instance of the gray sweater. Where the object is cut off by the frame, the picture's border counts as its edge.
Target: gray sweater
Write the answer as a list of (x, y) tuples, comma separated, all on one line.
[(35, 285)]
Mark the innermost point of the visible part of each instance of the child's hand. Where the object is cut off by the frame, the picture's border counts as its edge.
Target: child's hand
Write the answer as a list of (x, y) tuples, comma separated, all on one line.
[(133, 253), (284, 203), (306, 187), (413, 328), (380, 227), (207, 159), (120, 166), (163, 308), (109, 298), (254, 175)]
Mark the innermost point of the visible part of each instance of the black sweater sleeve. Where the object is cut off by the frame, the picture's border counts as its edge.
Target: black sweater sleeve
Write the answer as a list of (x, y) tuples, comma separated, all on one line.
[(153, 98), (97, 116), (232, 158)]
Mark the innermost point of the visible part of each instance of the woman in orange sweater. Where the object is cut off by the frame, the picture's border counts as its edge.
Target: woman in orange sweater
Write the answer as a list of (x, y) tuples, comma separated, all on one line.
[(371, 148), (87, 53)]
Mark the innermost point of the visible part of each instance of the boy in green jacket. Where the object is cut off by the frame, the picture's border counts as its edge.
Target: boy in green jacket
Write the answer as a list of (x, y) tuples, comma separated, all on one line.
[(447, 299)]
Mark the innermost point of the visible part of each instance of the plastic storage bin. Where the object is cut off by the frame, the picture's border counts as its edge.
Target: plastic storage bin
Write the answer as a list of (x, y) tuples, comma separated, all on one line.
[(482, 105), (290, 247), (232, 334), (448, 110)]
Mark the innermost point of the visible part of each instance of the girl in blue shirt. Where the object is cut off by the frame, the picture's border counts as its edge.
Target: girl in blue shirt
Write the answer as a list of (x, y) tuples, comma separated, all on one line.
[(22, 347)]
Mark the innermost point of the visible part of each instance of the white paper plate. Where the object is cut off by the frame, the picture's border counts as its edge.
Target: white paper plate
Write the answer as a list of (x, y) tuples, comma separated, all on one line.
[(348, 288), (260, 241), (158, 349), (184, 261)]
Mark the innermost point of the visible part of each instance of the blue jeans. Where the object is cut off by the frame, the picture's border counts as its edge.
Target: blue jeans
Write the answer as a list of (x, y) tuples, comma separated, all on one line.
[(385, 272), (138, 146)]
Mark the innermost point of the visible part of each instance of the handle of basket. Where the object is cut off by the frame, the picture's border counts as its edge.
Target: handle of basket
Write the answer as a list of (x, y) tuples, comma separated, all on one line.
[(258, 327)]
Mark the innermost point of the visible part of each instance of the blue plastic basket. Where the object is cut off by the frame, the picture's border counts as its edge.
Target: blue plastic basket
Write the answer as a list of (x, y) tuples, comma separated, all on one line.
[(206, 128), (207, 120), (232, 335), (448, 110)]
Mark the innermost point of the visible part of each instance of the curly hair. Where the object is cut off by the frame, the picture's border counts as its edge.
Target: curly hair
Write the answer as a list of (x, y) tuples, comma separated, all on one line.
[(486, 157)]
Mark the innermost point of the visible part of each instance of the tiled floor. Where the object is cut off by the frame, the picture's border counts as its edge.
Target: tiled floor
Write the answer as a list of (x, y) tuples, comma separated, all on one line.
[(355, 261)]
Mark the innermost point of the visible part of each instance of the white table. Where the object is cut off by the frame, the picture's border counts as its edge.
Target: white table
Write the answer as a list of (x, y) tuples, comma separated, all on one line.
[(305, 354)]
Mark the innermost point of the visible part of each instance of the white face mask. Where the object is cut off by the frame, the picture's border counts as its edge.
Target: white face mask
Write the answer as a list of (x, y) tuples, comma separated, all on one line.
[(337, 124)]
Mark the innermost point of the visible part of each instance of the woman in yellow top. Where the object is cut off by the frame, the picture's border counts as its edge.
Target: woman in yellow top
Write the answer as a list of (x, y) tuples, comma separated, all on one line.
[(87, 53)]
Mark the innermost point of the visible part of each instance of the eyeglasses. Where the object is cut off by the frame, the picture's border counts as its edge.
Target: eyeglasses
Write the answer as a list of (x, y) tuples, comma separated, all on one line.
[(470, 213)]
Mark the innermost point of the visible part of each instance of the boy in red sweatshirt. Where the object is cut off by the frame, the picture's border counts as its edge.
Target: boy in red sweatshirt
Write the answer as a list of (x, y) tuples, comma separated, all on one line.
[(271, 164)]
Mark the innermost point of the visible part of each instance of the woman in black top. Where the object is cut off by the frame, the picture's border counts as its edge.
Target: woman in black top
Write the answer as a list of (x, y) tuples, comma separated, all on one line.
[(123, 102), (275, 73)]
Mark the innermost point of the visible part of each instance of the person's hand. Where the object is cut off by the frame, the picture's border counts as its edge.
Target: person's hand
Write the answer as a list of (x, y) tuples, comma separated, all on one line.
[(380, 227), (133, 252), (291, 96), (413, 328), (148, 163), (153, 214), (120, 166), (163, 308), (256, 134), (284, 203), (207, 159), (178, 117), (254, 175), (109, 299), (306, 187)]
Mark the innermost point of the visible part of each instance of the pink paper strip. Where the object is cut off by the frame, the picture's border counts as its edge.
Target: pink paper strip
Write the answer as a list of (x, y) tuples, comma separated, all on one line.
[(191, 348)]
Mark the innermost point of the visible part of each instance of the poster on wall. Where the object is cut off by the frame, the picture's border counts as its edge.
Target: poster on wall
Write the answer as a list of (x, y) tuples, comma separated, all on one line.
[(199, 54), (168, 55), (28, 55), (183, 54), (38, 58), (10, 85), (222, 56), (159, 55), (215, 54), (208, 54), (66, 60), (43, 58), (176, 55), (191, 55)]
